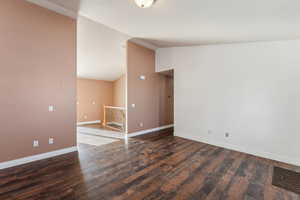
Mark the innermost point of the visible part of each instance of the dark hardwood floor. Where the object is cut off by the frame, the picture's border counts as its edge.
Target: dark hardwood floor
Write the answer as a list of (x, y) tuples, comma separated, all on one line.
[(156, 166)]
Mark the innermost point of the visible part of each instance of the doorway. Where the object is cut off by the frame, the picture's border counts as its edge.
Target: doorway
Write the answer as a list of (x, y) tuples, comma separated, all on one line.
[(167, 97)]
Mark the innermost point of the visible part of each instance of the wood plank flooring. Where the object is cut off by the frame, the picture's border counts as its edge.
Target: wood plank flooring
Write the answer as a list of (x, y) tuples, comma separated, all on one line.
[(156, 166)]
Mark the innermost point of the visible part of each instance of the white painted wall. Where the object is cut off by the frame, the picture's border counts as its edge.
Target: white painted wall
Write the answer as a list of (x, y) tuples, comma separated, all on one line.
[(250, 90), (165, 59), (101, 51)]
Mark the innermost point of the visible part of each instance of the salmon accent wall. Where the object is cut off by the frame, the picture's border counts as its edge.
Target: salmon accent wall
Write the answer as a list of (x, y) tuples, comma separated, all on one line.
[(92, 95), (149, 95), (37, 69)]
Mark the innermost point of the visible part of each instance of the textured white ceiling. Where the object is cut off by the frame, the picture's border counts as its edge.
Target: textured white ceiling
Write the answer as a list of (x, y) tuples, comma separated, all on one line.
[(193, 22), (69, 4), (100, 51), (171, 23)]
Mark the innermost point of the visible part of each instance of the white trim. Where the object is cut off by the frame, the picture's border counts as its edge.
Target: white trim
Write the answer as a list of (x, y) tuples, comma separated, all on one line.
[(126, 90), (55, 7), (37, 157), (117, 108), (243, 149), (90, 122), (100, 132), (115, 123), (149, 130)]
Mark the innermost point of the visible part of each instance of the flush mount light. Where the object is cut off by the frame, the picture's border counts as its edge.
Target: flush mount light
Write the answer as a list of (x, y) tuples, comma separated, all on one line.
[(144, 3)]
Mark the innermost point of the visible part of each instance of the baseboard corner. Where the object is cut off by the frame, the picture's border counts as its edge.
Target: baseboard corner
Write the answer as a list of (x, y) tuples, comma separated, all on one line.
[(42, 156), (134, 134)]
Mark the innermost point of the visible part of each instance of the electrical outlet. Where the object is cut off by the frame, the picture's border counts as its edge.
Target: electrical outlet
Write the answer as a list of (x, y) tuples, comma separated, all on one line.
[(143, 77), (227, 135), (51, 108), (141, 124), (85, 117), (209, 131), (35, 143), (133, 105), (51, 140), (93, 102)]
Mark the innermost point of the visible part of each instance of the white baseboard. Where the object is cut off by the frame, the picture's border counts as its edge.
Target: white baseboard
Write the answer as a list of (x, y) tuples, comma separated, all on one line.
[(90, 122), (42, 156), (115, 123), (251, 151), (149, 130), (101, 132)]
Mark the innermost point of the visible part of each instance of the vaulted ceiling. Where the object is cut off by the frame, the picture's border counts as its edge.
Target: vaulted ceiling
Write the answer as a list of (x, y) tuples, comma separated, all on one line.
[(194, 22), (171, 23)]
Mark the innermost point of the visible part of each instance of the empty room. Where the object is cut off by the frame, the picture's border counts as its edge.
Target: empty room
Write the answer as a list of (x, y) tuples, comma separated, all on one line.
[(149, 99)]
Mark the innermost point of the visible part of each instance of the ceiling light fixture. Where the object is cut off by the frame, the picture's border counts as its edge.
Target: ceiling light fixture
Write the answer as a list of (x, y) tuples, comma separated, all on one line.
[(144, 3)]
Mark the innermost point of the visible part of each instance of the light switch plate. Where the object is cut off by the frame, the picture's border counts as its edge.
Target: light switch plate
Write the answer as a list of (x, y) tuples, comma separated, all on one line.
[(143, 77), (51, 140), (35, 143)]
